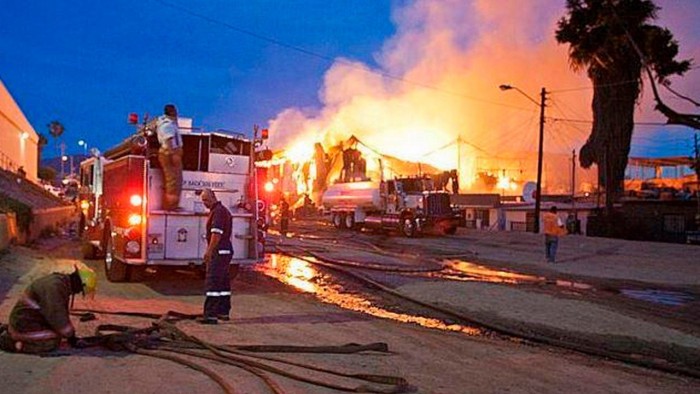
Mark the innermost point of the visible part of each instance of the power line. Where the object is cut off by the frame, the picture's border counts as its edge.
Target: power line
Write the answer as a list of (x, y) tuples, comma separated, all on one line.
[(326, 58), (591, 87), (635, 123)]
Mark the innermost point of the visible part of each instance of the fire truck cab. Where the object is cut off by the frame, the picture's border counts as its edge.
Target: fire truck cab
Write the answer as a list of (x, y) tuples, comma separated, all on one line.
[(122, 202)]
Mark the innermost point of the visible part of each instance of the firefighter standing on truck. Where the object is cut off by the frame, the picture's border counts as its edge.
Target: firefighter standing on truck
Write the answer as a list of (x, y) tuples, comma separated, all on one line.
[(170, 156), (217, 259), (40, 318)]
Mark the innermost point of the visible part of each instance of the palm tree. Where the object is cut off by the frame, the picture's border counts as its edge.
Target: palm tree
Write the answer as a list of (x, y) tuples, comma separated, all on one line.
[(56, 128), (614, 41), (43, 141)]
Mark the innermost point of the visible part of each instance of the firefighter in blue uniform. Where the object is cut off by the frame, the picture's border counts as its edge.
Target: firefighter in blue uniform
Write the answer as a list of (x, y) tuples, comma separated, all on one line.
[(217, 258)]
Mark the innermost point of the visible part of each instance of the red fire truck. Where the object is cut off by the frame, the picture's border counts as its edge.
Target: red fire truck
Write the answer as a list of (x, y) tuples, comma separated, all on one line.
[(121, 200)]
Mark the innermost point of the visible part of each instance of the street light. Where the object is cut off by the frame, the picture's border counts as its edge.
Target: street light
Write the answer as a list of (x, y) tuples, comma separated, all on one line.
[(83, 143), (538, 191)]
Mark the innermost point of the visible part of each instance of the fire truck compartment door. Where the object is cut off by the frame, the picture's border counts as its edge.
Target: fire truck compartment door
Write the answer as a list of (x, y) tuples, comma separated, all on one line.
[(182, 237), (240, 234)]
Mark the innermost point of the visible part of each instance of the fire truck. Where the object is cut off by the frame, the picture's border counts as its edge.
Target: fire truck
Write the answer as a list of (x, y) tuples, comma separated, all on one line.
[(121, 202), (407, 205)]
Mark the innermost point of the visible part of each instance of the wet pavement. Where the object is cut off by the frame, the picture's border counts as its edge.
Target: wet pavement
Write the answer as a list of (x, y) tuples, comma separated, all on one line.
[(303, 276)]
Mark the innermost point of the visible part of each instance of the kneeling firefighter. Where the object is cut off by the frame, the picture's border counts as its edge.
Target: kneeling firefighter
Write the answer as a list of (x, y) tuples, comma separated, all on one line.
[(40, 318)]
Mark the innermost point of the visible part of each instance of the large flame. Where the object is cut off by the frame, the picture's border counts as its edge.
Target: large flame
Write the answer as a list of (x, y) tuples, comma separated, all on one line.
[(433, 96)]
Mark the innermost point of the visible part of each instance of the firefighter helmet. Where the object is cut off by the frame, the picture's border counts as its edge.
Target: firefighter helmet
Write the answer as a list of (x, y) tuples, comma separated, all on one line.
[(89, 279)]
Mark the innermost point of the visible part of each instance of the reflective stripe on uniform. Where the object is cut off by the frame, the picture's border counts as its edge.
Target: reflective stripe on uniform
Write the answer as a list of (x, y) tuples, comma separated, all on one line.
[(29, 302), (224, 252), (217, 230), (218, 293)]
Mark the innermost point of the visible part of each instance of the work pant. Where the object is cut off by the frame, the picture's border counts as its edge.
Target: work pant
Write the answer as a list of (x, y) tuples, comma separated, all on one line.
[(551, 242), (218, 287), (35, 347), (284, 225), (171, 163)]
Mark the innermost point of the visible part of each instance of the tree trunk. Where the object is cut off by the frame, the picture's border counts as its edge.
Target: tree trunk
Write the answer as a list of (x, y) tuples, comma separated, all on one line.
[(614, 98)]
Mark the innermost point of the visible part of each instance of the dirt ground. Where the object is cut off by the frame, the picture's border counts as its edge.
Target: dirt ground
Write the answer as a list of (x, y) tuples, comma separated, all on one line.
[(268, 312)]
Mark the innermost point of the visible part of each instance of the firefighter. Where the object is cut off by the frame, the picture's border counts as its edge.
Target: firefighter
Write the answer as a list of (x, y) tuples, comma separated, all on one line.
[(217, 259), (170, 156), (284, 216), (40, 318)]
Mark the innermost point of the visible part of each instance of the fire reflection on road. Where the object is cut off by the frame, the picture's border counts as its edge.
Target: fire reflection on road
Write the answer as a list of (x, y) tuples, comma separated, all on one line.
[(462, 270), (303, 276)]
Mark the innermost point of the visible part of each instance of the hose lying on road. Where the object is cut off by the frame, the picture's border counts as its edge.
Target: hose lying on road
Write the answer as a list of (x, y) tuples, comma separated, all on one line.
[(647, 362), (164, 338)]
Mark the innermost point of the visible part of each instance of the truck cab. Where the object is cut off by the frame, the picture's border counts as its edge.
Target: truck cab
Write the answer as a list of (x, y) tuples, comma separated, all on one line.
[(408, 205)]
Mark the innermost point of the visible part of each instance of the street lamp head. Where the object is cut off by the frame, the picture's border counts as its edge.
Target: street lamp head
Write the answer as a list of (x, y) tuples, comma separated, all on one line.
[(505, 87), (64, 158), (81, 142)]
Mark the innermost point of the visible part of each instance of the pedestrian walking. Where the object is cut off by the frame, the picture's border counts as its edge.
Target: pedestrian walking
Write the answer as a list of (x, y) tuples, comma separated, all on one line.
[(553, 229), (170, 156), (40, 318), (217, 259)]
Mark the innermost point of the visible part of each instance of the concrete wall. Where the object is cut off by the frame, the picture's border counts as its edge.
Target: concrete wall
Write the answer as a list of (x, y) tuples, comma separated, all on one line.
[(515, 220), (18, 140), (50, 219)]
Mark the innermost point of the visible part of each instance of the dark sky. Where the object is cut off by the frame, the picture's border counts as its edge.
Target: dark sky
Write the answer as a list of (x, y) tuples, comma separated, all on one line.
[(90, 63)]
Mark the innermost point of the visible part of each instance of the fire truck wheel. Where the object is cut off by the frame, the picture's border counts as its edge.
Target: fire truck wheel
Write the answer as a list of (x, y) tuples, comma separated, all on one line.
[(349, 221), (115, 270), (408, 227), (337, 220)]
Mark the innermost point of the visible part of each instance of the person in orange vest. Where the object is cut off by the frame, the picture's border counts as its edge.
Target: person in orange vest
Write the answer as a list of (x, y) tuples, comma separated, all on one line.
[(553, 229)]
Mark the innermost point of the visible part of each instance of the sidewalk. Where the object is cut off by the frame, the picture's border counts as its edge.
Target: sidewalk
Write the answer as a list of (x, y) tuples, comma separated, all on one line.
[(577, 313)]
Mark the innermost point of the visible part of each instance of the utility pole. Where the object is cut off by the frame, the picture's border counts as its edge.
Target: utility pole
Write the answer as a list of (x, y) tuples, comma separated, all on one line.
[(62, 147), (697, 180), (573, 183), (459, 155), (254, 182), (540, 154)]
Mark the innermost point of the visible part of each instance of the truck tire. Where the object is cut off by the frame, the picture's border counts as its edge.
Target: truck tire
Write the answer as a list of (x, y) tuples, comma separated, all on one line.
[(408, 227), (115, 270), (349, 221), (337, 220)]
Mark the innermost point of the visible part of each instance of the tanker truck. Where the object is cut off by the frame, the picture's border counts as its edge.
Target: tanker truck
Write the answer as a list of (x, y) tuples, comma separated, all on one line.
[(407, 205)]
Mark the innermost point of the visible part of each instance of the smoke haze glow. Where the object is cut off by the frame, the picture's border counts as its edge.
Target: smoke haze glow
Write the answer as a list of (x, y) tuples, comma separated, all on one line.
[(438, 81)]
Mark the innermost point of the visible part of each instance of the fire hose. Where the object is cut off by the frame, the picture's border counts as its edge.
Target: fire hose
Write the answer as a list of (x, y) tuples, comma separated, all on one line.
[(163, 338)]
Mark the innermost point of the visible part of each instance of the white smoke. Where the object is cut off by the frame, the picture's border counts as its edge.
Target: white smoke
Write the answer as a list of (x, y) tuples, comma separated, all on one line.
[(437, 81)]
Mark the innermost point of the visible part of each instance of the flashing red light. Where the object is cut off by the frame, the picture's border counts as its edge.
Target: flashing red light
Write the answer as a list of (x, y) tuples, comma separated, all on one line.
[(133, 118), (265, 134)]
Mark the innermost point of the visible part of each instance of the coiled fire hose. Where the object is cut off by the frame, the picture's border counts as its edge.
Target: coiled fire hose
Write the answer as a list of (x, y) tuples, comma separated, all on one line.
[(164, 338)]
